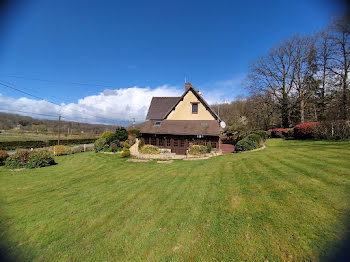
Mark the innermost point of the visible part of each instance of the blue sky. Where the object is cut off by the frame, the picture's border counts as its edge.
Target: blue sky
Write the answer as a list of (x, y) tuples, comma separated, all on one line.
[(86, 51)]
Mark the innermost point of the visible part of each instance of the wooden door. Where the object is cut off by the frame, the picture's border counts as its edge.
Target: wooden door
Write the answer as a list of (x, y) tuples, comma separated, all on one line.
[(179, 146)]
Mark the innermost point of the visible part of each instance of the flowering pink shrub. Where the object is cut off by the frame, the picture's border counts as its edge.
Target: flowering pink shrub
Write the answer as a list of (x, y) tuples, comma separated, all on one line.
[(304, 130)]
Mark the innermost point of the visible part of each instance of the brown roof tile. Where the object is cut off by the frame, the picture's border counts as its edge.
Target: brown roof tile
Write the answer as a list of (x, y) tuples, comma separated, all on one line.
[(160, 106), (182, 127)]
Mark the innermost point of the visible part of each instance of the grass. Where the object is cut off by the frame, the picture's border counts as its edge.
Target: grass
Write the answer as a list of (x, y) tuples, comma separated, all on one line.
[(289, 202)]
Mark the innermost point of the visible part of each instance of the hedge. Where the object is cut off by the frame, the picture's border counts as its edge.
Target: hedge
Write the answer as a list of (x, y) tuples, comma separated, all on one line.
[(12, 145), (29, 159), (304, 130)]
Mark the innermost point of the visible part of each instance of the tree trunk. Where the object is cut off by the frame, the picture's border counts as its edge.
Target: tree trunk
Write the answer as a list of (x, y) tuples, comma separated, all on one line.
[(323, 88), (285, 111), (302, 110), (344, 100)]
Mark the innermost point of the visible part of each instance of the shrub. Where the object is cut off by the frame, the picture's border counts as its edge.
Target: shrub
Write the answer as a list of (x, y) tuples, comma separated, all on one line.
[(255, 138), (304, 130), (121, 134), (140, 144), (18, 159), (278, 133), (106, 134), (261, 133), (61, 150), (29, 159), (134, 132), (338, 129), (239, 136), (126, 152), (246, 144), (209, 147), (3, 157), (114, 147), (78, 149), (197, 150), (99, 144), (126, 144), (149, 149), (39, 159)]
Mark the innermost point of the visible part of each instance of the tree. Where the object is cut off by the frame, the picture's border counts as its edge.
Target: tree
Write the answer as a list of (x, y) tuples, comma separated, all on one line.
[(324, 53), (305, 69), (275, 73), (340, 60)]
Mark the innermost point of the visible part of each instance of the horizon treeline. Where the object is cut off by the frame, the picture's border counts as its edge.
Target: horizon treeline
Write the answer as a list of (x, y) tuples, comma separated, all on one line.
[(26, 123), (302, 79)]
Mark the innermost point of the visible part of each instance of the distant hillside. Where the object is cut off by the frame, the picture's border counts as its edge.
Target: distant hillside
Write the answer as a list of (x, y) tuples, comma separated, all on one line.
[(12, 121)]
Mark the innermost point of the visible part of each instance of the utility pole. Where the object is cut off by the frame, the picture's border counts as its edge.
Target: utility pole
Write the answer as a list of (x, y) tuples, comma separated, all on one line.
[(59, 123)]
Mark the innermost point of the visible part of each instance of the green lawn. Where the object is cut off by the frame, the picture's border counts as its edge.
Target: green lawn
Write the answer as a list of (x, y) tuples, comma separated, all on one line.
[(289, 202)]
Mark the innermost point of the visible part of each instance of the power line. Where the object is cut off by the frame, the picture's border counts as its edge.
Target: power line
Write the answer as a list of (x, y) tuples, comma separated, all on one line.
[(21, 91), (54, 81)]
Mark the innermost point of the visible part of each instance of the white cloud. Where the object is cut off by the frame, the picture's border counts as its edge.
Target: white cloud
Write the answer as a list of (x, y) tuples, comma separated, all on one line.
[(117, 106)]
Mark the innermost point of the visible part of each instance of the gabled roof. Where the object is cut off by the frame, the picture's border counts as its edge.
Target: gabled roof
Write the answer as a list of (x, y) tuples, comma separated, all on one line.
[(160, 106), (182, 127), (199, 97)]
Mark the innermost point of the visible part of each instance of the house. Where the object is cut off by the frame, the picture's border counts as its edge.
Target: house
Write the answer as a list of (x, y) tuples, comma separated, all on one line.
[(175, 123)]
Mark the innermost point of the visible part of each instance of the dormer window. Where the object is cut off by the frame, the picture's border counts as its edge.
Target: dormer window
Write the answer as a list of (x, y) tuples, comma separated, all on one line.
[(157, 123), (194, 107)]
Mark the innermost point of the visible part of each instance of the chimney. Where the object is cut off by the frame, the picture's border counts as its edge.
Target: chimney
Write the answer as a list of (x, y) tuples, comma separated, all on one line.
[(187, 86)]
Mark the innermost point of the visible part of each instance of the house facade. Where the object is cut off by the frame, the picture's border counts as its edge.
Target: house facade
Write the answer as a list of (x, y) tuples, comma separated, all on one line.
[(175, 123)]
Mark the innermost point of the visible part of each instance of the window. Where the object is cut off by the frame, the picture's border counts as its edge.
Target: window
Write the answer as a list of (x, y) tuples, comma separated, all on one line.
[(182, 143), (153, 141), (194, 108), (176, 142), (161, 142), (168, 142), (157, 123), (146, 140), (213, 144)]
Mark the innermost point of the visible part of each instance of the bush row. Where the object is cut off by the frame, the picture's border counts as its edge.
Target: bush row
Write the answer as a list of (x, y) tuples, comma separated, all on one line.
[(12, 145), (337, 129), (29, 159), (61, 150)]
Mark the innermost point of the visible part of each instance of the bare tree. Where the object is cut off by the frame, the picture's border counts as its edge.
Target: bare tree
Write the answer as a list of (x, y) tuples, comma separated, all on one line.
[(324, 54), (275, 73), (340, 60), (305, 69)]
